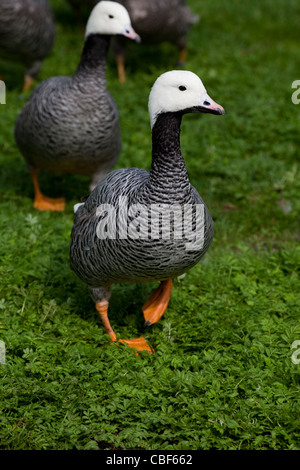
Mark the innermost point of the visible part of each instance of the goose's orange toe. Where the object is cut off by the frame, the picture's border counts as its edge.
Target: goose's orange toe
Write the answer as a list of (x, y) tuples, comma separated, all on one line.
[(141, 344), (43, 203), (157, 303)]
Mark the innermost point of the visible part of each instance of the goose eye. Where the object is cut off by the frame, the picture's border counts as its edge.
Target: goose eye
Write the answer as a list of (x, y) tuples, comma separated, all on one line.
[(182, 88), (110, 16)]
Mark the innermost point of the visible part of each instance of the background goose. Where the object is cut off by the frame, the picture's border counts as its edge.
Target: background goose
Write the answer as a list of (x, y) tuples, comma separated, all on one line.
[(27, 34), (155, 21), (111, 242), (71, 124)]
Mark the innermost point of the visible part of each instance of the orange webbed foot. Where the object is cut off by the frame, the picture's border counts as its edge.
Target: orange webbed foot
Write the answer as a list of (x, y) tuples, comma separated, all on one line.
[(141, 344), (156, 305), (43, 203)]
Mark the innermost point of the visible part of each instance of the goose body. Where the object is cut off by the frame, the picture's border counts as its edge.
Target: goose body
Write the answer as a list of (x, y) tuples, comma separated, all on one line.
[(71, 124), (27, 33), (114, 239), (101, 262)]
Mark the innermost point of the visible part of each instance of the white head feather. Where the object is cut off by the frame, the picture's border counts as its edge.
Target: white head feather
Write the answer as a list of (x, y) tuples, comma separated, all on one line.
[(179, 90), (110, 18)]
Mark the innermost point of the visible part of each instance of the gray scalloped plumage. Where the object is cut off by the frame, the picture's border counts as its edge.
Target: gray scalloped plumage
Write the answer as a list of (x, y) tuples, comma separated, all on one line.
[(71, 124), (27, 33), (101, 261)]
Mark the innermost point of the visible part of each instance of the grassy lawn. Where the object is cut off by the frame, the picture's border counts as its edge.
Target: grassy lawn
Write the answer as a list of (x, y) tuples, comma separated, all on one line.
[(223, 375)]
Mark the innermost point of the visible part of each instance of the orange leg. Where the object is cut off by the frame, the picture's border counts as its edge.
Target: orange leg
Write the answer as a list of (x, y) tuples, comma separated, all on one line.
[(43, 203), (157, 303), (28, 82), (182, 57), (121, 68), (137, 343)]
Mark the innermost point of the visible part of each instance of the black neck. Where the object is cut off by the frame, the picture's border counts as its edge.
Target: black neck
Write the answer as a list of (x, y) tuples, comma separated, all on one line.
[(93, 57), (167, 162)]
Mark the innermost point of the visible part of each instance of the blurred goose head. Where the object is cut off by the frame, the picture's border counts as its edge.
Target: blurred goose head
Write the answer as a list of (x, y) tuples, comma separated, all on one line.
[(112, 19)]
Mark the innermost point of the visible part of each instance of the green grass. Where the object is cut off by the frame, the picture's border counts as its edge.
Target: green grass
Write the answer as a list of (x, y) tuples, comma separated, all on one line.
[(222, 376)]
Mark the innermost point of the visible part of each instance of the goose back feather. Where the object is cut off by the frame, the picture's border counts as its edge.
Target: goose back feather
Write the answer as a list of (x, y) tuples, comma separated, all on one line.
[(27, 32)]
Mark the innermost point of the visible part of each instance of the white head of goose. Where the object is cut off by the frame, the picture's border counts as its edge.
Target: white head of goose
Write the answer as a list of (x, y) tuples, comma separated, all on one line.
[(71, 124), (110, 19), (180, 92), (145, 226)]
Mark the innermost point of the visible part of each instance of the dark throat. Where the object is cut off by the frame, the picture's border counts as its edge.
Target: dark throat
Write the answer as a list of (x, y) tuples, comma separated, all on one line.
[(168, 166), (93, 57)]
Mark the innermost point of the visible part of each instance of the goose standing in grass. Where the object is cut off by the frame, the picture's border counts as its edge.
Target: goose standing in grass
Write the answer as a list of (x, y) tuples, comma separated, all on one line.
[(115, 240), (156, 21), (71, 124), (27, 33)]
